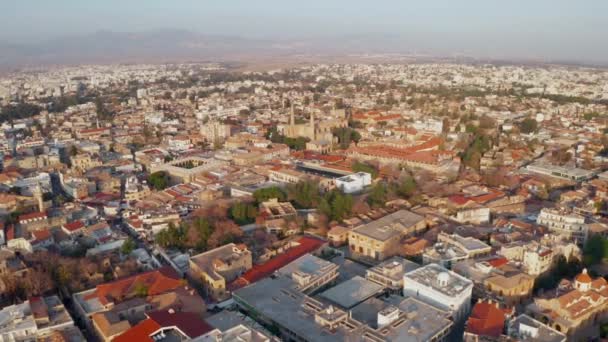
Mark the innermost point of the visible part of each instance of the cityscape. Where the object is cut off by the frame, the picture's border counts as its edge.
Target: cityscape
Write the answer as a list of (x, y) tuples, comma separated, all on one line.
[(263, 193)]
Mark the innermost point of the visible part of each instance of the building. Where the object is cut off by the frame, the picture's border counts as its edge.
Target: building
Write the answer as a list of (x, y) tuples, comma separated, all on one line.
[(352, 292), (107, 308), (354, 183), (214, 269), (576, 312), (526, 328), (293, 251), (486, 322), (166, 325), (310, 273), (539, 257), (451, 248), (564, 223), (273, 209), (390, 273), (567, 173), (34, 319), (185, 170), (440, 287), (298, 317), (237, 333), (381, 239)]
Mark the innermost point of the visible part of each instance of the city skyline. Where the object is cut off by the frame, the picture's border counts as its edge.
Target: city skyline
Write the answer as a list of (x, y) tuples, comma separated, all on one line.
[(542, 30)]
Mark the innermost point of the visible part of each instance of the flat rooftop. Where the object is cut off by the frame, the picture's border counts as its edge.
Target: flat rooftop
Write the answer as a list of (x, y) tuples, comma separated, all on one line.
[(390, 225), (523, 324), (394, 268), (422, 324), (352, 292), (428, 276), (307, 264)]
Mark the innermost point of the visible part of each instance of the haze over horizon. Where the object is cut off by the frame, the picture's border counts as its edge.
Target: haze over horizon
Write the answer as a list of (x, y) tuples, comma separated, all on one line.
[(540, 30)]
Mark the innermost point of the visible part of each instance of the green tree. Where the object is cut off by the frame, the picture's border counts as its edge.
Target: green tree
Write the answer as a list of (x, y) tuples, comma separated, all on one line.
[(364, 167), (128, 246), (262, 195), (159, 180), (406, 187), (336, 205), (528, 125), (378, 194), (595, 250), (304, 194), (243, 213)]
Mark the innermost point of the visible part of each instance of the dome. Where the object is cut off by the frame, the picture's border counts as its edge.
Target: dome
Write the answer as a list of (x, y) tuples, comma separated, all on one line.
[(583, 277), (443, 278)]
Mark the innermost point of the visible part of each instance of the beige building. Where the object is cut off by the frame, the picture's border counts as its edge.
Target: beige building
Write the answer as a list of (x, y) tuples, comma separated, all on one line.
[(381, 239), (578, 311), (213, 269)]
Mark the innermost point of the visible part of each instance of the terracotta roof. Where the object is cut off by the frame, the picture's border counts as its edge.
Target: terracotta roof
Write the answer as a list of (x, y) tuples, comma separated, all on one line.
[(486, 320), (157, 281), (190, 324), (73, 226), (306, 245), (583, 277), (32, 216), (41, 235)]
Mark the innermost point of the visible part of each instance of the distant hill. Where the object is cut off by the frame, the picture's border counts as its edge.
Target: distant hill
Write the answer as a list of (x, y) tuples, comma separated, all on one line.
[(179, 46)]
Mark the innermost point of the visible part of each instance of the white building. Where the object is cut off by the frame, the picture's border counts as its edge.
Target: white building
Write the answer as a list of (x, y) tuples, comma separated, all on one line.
[(354, 183), (440, 287), (564, 223), (33, 319)]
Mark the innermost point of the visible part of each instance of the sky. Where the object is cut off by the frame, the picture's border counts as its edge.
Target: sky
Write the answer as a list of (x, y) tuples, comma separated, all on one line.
[(557, 29)]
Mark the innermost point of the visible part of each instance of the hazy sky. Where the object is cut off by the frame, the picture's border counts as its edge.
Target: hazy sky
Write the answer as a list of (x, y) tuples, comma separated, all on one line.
[(526, 28)]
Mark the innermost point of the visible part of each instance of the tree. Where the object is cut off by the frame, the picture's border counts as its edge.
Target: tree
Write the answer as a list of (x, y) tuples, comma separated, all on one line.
[(364, 167), (335, 205), (528, 125), (304, 194), (128, 246), (159, 180), (595, 250), (377, 196), (243, 213), (406, 187), (263, 195)]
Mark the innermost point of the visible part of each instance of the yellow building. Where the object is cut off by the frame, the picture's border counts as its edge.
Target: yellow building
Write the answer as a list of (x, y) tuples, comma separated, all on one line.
[(214, 269), (381, 239)]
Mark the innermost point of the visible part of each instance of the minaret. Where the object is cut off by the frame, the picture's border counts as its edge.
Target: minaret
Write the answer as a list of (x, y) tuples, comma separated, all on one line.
[(292, 119), (312, 125), (38, 196)]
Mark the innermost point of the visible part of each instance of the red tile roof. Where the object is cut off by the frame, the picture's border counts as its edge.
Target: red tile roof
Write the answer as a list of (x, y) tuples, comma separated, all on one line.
[(486, 320), (498, 262), (73, 226), (306, 245), (157, 281), (190, 324), (32, 216)]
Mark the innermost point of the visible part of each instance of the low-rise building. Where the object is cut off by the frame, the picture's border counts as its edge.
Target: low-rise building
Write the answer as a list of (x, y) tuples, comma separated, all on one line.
[(390, 273), (34, 319), (451, 248), (440, 287), (214, 269), (381, 239), (354, 183), (564, 223), (577, 313)]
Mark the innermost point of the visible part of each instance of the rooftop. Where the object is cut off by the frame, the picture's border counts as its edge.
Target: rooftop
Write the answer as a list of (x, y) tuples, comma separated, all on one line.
[(352, 292), (390, 225), (439, 279)]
